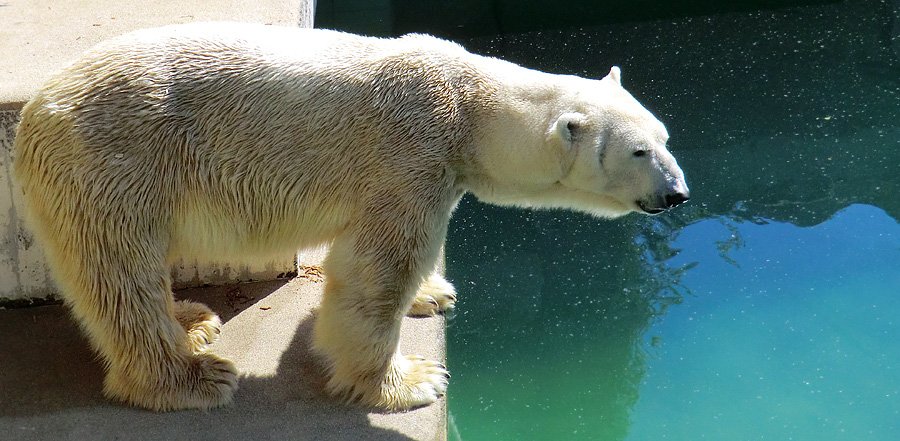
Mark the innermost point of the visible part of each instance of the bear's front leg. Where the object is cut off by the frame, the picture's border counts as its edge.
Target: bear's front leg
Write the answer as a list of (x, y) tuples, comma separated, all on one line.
[(370, 286)]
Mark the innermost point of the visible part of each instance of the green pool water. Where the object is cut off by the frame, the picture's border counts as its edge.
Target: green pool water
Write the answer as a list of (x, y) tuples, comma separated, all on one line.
[(767, 308)]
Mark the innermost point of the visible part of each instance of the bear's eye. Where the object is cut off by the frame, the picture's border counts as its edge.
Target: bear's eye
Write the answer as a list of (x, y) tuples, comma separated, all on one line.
[(639, 153)]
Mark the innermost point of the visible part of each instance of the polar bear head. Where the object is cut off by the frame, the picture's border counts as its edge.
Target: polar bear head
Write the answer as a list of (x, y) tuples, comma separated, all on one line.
[(591, 147)]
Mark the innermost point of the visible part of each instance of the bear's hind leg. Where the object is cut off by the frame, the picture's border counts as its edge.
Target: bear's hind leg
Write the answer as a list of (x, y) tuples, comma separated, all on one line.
[(120, 291), (435, 295), (153, 362)]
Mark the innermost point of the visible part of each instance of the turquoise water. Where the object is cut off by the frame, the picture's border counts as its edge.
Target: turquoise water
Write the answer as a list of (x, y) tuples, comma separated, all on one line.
[(796, 339), (770, 331)]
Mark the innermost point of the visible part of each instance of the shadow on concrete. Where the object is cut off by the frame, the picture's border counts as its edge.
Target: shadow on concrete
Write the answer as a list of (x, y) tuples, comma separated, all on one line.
[(51, 381)]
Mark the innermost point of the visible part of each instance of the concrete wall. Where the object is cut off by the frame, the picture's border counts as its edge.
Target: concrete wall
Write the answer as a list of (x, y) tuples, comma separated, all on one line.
[(23, 274)]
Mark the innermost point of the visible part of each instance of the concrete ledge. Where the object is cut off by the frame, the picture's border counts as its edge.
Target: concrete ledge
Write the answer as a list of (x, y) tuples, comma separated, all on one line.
[(37, 38)]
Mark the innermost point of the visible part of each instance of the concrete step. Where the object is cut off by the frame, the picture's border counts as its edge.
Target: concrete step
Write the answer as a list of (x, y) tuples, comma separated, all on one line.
[(39, 37)]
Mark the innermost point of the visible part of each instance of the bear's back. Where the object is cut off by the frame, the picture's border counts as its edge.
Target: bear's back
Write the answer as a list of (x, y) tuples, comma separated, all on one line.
[(215, 93), (226, 83), (226, 121)]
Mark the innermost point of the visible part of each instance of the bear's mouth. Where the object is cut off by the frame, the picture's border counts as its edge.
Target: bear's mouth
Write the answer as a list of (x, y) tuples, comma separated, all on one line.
[(648, 210)]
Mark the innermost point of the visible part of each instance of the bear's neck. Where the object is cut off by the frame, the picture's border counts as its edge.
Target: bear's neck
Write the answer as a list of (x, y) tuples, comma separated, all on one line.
[(511, 155)]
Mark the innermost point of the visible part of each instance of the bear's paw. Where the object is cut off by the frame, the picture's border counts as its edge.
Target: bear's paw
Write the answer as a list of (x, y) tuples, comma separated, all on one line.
[(198, 381), (411, 382), (435, 295), (201, 324), (416, 382)]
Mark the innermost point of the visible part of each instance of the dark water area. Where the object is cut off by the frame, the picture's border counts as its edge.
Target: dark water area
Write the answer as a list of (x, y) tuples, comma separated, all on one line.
[(768, 307)]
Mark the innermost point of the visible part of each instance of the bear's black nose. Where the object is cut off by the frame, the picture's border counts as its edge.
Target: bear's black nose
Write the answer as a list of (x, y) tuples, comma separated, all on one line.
[(676, 199)]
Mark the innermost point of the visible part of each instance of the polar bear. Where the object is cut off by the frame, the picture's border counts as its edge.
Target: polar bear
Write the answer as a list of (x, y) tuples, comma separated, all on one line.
[(217, 140)]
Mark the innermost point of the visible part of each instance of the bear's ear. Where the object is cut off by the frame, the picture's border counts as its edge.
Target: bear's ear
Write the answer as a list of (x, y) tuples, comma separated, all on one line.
[(568, 126), (615, 74)]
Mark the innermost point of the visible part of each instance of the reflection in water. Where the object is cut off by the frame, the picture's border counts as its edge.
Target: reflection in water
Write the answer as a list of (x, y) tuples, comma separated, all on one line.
[(551, 316), (564, 329)]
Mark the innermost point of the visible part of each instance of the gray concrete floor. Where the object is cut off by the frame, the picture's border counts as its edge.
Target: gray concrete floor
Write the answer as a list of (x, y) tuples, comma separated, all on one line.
[(50, 387)]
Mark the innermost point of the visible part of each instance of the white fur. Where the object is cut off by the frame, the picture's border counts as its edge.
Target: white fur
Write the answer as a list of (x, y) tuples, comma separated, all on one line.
[(233, 140)]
